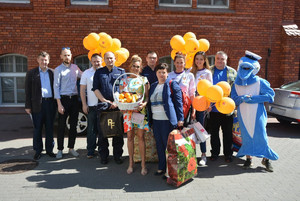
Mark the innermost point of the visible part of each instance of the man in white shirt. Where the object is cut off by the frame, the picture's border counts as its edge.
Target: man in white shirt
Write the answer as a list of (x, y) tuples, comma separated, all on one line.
[(89, 103)]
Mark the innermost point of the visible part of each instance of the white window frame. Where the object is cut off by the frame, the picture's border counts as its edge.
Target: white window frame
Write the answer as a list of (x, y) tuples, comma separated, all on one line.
[(88, 2), (14, 75), (79, 57), (14, 1), (174, 4), (171, 65), (212, 5)]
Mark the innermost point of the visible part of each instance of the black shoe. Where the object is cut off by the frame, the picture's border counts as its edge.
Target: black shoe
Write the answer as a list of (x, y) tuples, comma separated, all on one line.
[(164, 177), (51, 154), (104, 161), (268, 165), (37, 156), (159, 172), (118, 161), (228, 159), (247, 164), (213, 158)]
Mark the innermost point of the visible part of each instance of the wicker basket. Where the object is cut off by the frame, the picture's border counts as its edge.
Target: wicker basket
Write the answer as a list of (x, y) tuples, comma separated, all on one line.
[(127, 106)]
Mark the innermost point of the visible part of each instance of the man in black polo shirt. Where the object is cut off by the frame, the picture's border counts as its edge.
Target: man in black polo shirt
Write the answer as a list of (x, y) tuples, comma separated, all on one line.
[(149, 70)]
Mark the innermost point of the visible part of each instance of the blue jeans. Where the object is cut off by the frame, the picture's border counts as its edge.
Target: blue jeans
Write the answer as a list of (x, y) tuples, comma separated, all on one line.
[(92, 131), (44, 117), (161, 131), (200, 118)]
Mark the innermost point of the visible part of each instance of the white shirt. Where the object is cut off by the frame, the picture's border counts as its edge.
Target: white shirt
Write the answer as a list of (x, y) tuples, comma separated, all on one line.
[(157, 106), (203, 74), (187, 83), (87, 79)]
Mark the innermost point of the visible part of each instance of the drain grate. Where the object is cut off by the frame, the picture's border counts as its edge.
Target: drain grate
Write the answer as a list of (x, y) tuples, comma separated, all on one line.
[(15, 166)]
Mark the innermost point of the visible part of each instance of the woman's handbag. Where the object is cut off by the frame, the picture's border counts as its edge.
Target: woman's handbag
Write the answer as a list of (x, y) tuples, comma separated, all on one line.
[(137, 118), (111, 123)]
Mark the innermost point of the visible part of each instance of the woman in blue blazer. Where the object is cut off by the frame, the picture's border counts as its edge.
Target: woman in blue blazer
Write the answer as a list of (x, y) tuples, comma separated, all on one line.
[(165, 112)]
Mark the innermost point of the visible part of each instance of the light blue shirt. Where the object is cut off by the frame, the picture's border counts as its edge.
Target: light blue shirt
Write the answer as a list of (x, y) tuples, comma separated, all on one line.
[(45, 84), (65, 80)]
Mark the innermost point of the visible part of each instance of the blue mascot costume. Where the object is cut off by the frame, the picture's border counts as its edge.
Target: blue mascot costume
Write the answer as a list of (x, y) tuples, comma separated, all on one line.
[(249, 93)]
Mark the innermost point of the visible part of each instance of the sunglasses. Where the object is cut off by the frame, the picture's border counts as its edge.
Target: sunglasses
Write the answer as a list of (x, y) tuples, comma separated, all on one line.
[(65, 48), (134, 66)]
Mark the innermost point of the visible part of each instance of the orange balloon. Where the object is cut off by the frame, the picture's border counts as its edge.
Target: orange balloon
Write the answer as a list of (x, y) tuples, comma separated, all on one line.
[(214, 93), (226, 88), (105, 41), (173, 54), (202, 87), (121, 57), (225, 105), (85, 44), (91, 52), (116, 45), (188, 35), (203, 45), (125, 51), (177, 42), (189, 60), (200, 103), (93, 40), (191, 45)]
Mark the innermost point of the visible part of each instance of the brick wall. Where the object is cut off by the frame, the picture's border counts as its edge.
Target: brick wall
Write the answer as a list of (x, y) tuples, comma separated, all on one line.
[(142, 26)]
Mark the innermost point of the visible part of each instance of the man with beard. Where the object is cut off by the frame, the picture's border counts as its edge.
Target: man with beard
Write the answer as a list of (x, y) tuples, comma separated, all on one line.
[(66, 95)]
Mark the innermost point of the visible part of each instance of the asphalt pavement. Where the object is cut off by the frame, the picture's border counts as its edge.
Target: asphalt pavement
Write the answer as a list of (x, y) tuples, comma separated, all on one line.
[(86, 179)]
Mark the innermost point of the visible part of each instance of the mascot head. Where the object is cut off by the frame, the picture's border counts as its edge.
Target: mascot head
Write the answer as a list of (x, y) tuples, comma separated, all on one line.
[(248, 68)]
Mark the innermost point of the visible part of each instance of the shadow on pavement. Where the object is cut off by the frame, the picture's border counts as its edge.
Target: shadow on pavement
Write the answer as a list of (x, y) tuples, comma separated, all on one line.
[(283, 131)]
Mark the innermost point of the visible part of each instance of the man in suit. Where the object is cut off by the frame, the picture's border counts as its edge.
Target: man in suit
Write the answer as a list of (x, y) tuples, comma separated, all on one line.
[(40, 104)]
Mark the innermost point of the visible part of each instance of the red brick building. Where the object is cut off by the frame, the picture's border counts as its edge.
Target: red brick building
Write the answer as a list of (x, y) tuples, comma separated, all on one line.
[(268, 28)]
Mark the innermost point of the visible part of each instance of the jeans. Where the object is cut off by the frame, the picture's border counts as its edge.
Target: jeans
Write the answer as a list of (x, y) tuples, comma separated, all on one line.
[(161, 131), (92, 131), (44, 117), (71, 106), (200, 118)]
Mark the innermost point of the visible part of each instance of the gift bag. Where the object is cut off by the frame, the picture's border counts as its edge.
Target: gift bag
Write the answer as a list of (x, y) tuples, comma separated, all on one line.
[(111, 123), (236, 135), (200, 133), (151, 152), (181, 156)]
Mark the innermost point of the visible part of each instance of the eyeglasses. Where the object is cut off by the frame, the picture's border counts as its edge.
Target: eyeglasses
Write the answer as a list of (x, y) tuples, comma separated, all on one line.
[(65, 48), (134, 66)]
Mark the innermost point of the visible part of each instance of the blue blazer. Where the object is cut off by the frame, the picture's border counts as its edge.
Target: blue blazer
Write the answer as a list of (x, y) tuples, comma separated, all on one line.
[(172, 102)]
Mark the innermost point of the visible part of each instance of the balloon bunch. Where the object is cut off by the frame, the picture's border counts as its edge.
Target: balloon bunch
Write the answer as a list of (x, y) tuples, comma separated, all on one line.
[(217, 94), (102, 43), (188, 45)]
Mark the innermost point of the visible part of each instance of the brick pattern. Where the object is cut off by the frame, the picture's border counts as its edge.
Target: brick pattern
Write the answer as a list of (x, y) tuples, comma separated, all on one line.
[(142, 26)]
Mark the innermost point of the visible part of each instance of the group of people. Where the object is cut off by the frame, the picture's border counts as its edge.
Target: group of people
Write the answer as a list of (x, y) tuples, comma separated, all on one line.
[(162, 106)]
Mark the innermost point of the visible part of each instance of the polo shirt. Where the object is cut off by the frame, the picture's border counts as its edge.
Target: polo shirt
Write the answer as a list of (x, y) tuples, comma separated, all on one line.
[(150, 74)]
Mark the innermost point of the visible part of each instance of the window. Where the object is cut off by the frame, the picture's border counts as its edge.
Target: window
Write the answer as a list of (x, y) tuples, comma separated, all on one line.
[(181, 3), (82, 62), (211, 59), (213, 3), (168, 60), (14, 1), (13, 70), (89, 2)]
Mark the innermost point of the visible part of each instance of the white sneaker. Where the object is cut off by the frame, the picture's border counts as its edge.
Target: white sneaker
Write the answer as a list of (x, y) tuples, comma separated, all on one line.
[(59, 154), (73, 152), (203, 160)]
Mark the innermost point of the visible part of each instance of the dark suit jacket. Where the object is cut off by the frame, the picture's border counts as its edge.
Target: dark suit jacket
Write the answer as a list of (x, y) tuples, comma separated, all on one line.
[(33, 89), (172, 102)]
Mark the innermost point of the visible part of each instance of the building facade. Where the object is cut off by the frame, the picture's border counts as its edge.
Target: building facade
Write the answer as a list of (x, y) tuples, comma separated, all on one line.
[(268, 28)]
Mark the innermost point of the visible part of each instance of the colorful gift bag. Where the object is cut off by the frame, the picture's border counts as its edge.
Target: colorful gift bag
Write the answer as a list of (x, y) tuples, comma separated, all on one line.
[(151, 152), (181, 156), (200, 133), (236, 135)]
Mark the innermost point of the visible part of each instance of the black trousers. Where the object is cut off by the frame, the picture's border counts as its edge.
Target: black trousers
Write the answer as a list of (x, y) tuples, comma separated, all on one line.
[(44, 117), (117, 143), (71, 105), (217, 120)]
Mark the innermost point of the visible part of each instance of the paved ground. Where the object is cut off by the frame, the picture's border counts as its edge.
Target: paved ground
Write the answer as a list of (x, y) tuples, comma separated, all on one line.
[(86, 179)]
